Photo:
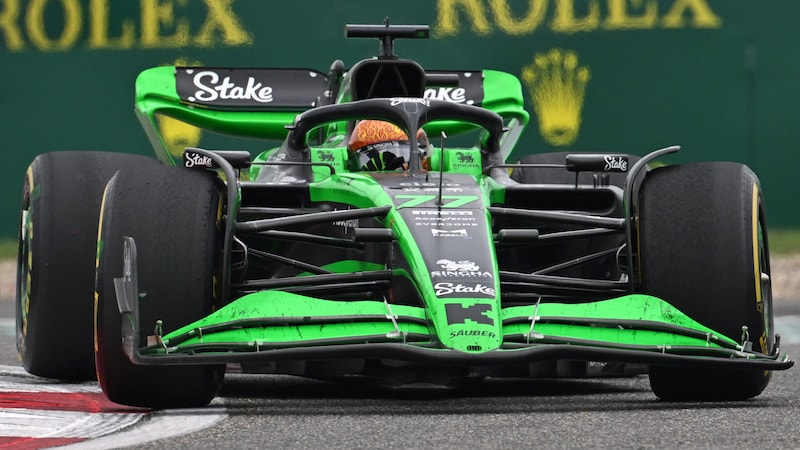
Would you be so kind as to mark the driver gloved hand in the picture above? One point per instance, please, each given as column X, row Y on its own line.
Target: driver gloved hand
column 383, row 161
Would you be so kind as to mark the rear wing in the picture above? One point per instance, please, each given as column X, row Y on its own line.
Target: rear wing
column 261, row 103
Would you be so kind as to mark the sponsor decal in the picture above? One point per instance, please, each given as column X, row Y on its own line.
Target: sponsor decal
column 210, row 88
column 346, row 224
column 192, row 159
column 468, row 90
column 473, row 333
column 426, row 212
column 406, row 100
column 459, row 289
column 438, row 223
column 343, row 180
column 252, row 89
column 426, row 184
column 448, row 94
column 616, row 164
column 449, row 233
column 459, row 269
column 447, row 264
column 325, row 156
column 465, row 158
column 457, row 313
column 432, row 189
column 444, row 218
column 447, row 221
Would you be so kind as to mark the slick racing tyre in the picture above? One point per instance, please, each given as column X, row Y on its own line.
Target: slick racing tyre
column 703, row 248
column 172, row 215
column 56, row 258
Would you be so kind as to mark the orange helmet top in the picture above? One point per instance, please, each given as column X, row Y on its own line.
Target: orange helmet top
column 382, row 145
column 370, row 132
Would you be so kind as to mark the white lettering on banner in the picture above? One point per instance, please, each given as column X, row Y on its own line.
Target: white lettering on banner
column 210, row 89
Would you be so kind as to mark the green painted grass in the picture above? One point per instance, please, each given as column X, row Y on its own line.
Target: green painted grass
column 784, row 241
column 8, row 249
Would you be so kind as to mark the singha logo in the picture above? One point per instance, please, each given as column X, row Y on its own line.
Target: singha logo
column 465, row 158
column 325, row 156
column 557, row 84
column 447, row 264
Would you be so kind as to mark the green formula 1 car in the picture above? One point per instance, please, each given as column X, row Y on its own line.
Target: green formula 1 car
column 446, row 266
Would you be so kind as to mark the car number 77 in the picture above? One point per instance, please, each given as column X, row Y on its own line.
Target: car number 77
column 448, row 201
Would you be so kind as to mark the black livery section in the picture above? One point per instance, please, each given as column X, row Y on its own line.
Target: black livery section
column 250, row 88
column 447, row 220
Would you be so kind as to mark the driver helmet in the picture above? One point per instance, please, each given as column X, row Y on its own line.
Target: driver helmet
column 382, row 145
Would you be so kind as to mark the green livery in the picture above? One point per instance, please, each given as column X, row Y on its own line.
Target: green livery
column 457, row 265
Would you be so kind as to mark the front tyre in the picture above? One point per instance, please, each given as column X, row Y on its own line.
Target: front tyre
column 171, row 213
column 704, row 249
column 56, row 260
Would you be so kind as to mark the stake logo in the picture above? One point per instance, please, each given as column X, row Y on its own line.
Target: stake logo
column 616, row 164
column 211, row 88
column 455, row 95
column 192, row 159
column 463, row 290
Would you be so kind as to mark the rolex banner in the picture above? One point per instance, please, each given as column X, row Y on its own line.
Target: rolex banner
column 718, row 77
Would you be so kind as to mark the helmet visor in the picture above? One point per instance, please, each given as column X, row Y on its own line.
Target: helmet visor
column 384, row 156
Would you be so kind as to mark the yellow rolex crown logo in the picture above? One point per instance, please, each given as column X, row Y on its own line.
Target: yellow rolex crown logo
column 176, row 134
column 557, row 84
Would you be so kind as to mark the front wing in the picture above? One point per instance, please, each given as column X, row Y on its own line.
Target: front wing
column 273, row 325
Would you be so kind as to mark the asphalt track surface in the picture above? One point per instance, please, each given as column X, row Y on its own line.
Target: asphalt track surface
column 260, row 411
